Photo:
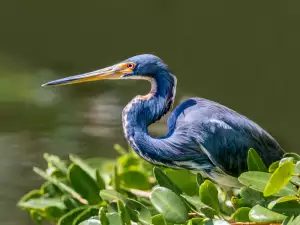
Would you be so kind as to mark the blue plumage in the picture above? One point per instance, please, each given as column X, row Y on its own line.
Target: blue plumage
column 202, row 135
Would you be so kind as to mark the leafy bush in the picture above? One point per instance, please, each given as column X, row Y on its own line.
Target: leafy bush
column 131, row 191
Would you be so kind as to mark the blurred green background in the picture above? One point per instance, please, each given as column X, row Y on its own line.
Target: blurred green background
column 243, row 54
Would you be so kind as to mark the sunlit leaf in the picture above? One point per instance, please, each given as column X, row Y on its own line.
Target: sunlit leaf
column 91, row 221
column 279, row 178
column 169, row 204
column 254, row 162
column 258, row 181
column 288, row 220
column 273, row 166
column 42, row 203
column 114, row 218
column 263, row 215
column 296, row 221
column 110, row 195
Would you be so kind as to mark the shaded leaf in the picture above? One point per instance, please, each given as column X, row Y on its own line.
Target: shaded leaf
column 110, row 195
column 254, row 162
column 102, row 216
column 296, row 179
column 84, row 166
column 279, row 178
column 209, row 195
column 84, row 184
column 251, row 197
column 164, row 181
column 135, row 179
column 199, row 179
column 195, row 221
column 85, row 215
column 273, row 166
column 158, row 220
column 293, row 155
column 281, row 200
column 169, row 204
column 143, row 213
column 258, row 181
column 261, row 214
column 288, row 220
column 123, row 213
column 69, row 217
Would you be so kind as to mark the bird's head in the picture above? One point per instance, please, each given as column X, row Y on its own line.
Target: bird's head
column 144, row 66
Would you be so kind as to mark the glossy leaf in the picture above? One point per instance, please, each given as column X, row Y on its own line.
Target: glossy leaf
column 263, row 215
column 241, row 215
column 254, row 162
column 258, row 181
column 169, row 204
column 281, row 200
column 84, row 184
column 164, row 181
column 209, row 195
column 279, row 178
column 91, row 221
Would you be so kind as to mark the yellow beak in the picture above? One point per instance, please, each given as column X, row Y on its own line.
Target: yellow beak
column 112, row 72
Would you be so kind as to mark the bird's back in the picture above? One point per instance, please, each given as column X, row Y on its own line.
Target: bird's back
column 222, row 134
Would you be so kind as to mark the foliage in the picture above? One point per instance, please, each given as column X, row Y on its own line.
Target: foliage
column 128, row 190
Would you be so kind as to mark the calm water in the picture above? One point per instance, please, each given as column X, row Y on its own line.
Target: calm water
column 243, row 55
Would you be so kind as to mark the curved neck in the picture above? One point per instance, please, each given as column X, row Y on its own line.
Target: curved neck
column 145, row 110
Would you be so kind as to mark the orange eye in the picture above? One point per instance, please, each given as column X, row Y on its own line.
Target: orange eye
column 130, row 65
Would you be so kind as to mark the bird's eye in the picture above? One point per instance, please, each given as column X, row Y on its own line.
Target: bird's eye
column 130, row 65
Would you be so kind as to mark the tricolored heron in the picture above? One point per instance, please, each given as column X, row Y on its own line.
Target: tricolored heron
column 202, row 135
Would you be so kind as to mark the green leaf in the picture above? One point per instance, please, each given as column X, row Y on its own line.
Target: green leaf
column 120, row 149
column 123, row 213
column 199, row 179
column 116, row 179
column 84, row 166
column 99, row 180
column 296, row 221
column 32, row 194
column 158, row 220
column 195, row 221
column 215, row 222
column 283, row 160
column 258, row 181
column 291, row 154
column 69, row 217
column 254, row 162
column 135, row 179
column 55, row 161
column 241, row 215
column 288, row 220
column 169, row 204
column 70, row 202
column 209, row 195
column 263, row 215
column 91, row 221
column 60, row 185
column 143, row 213
column 85, row 215
column 114, row 218
column 42, row 203
column 164, row 181
column 110, row 195
column 281, row 200
column 296, row 179
column 273, row 166
column 280, row 178
column 102, row 216
column 84, row 184
column 251, row 197
column 189, row 186
column 195, row 201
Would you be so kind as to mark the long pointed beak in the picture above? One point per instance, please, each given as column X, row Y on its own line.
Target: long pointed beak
column 112, row 72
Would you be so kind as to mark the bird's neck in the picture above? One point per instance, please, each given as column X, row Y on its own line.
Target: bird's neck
column 145, row 110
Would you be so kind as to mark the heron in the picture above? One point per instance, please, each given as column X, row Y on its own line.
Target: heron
column 202, row 135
